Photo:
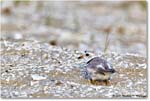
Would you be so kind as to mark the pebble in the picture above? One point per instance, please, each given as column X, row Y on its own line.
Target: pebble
column 37, row 77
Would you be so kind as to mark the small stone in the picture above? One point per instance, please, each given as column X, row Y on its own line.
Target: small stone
column 6, row 71
column 71, row 86
column 6, row 11
column 58, row 83
column 11, row 65
column 53, row 42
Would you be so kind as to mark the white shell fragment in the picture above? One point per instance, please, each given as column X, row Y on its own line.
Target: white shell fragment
column 37, row 77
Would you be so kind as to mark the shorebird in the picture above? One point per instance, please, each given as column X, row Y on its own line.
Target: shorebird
column 98, row 69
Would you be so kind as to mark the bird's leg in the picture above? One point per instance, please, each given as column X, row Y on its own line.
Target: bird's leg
column 99, row 82
column 91, row 81
column 107, row 82
column 94, row 82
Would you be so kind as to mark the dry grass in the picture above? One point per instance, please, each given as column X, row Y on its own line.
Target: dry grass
column 107, row 41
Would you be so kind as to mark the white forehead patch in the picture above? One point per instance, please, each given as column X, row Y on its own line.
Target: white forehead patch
column 100, row 66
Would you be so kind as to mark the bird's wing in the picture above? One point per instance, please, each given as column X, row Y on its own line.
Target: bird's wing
column 100, row 71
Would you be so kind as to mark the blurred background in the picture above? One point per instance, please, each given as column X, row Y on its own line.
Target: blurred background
column 105, row 26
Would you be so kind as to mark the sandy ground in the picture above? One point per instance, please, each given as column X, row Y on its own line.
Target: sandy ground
column 38, row 70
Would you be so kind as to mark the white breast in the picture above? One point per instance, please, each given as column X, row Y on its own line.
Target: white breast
column 101, row 76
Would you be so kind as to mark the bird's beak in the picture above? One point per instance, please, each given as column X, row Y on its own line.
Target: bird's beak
column 112, row 70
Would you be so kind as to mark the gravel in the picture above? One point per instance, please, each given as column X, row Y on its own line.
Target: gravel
column 38, row 70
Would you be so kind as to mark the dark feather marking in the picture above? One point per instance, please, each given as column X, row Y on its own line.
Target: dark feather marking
column 99, row 72
column 90, row 61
